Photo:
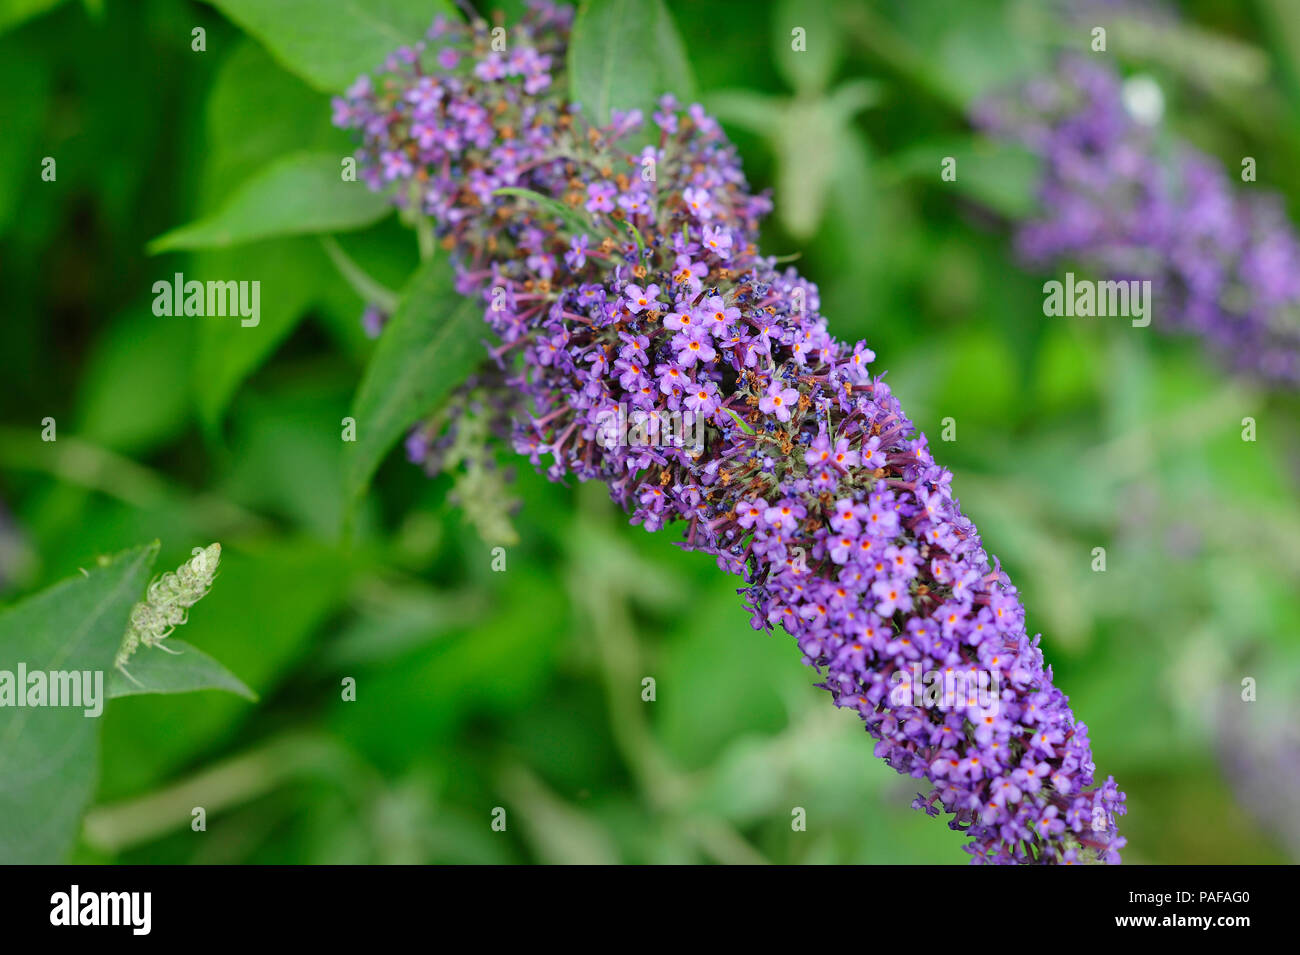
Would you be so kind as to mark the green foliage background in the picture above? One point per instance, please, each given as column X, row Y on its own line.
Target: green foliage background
column 522, row 689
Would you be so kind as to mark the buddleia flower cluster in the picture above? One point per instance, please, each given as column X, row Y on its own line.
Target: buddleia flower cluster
column 1224, row 262
column 619, row 270
column 168, row 601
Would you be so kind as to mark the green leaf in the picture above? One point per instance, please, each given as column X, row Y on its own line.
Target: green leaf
column 134, row 391
column 759, row 113
column 740, row 422
column 24, row 121
column 1001, row 176
column 15, row 12
column 810, row 69
column 292, row 273
column 255, row 113
column 329, row 43
column 1204, row 57
column 183, row 670
column 430, row 346
column 295, row 195
column 625, row 54
column 48, row 754
column 577, row 222
column 808, row 145
column 807, row 135
column 358, row 278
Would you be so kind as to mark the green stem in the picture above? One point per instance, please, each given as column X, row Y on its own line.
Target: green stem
column 361, row 282
column 615, row 633
column 231, row 783
column 78, row 462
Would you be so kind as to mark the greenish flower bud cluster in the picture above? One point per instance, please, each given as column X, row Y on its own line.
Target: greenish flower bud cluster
column 167, row 604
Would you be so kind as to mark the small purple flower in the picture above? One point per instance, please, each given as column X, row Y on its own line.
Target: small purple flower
column 397, row 165
column 697, row 200
column 715, row 315
column 702, row 398
column 785, row 514
column 576, row 257
column 819, row 452
column 691, row 348
column 718, row 241
column 373, row 320
column 600, row 196
column 778, row 401
column 748, row 513
column 640, row 299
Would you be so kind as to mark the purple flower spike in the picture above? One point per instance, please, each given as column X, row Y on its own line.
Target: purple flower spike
column 808, row 481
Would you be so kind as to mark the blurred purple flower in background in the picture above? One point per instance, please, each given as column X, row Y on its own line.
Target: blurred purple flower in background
column 1224, row 262
column 373, row 320
column 1259, row 748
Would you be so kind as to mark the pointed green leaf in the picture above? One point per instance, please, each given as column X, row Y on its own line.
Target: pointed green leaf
column 807, row 60
column 329, row 43
column 625, row 54
column 49, row 754
column 15, row 12
column 431, row 344
column 574, row 219
column 299, row 194
column 1001, row 176
column 184, row 670
column 740, row 422
column 758, row 113
column 292, row 273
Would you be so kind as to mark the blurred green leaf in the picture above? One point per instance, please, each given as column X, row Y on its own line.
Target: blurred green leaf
column 183, row 670
column 1001, row 176
column 560, row 834
column 396, row 621
column 430, row 346
column 759, row 113
column 809, row 69
column 292, row 273
column 296, row 195
column 697, row 715
column 574, row 219
column 15, row 12
column 1204, row 57
column 811, row 138
column 330, row 43
column 624, row 55
column 503, row 661
column 24, row 118
column 357, row 278
column 48, row 754
column 134, row 392
column 255, row 113
column 290, row 460
column 808, row 145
